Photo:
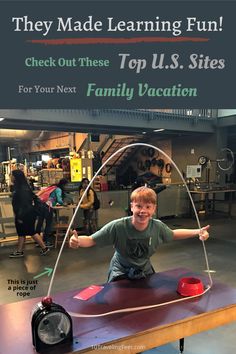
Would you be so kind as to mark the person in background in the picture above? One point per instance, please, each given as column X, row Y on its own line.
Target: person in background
column 58, row 195
column 46, row 218
column 55, row 198
column 135, row 238
column 31, row 182
column 25, row 216
column 87, row 206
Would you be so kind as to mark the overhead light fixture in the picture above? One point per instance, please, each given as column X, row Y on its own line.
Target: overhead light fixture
column 1, row 119
column 158, row 130
column 144, row 132
column 45, row 157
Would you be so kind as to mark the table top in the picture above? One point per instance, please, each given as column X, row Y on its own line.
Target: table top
column 15, row 334
column 69, row 206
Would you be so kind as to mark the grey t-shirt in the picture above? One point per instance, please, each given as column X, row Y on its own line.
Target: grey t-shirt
column 133, row 247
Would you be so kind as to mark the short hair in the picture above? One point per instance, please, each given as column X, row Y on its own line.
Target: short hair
column 144, row 194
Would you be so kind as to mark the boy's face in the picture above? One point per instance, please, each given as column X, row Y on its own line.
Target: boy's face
column 142, row 212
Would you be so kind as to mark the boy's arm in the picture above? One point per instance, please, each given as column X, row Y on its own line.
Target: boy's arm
column 81, row 241
column 188, row 233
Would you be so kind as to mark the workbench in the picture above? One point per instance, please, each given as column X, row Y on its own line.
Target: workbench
column 129, row 332
column 207, row 199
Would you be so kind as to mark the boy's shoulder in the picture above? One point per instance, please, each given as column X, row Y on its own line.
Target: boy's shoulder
column 121, row 222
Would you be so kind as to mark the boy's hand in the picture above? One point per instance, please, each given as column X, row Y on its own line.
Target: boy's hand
column 74, row 241
column 203, row 234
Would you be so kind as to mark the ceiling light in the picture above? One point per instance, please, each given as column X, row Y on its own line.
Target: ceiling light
column 158, row 130
column 1, row 119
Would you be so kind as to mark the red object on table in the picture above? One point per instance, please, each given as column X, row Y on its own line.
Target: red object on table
column 190, row 286
column 88, row 292
column 47, row 301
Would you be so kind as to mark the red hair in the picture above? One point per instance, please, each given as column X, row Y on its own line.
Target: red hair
column 144, row 194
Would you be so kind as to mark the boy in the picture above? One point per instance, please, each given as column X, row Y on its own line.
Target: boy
column 135, row 238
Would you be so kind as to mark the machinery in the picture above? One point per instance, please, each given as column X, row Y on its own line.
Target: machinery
column 51, row 325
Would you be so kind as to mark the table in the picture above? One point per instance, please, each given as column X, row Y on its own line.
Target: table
column 205, row 199
column 132, row 331
column 60, row 228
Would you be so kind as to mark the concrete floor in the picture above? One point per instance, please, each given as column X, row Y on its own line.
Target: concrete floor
column 81, row 268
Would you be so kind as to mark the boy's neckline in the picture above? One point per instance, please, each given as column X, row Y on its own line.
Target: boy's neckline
column 137, row 228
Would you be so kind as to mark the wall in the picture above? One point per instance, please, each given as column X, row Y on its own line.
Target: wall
column 187, row 150
column 141, row 161
column 60, row 140
column 79, row 139
column 184, row 150
column 55, row 140
column 166, row 146
column 48, row 141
